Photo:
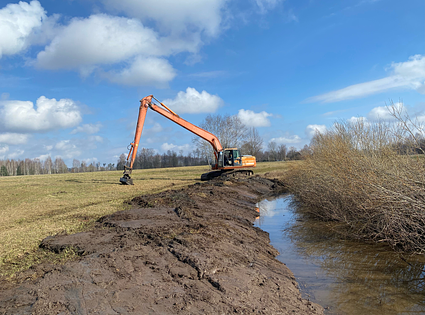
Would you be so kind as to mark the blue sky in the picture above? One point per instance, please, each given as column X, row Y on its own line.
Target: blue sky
column 72, row 72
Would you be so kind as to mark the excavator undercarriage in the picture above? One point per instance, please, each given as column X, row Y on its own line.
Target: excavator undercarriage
column 226, row 173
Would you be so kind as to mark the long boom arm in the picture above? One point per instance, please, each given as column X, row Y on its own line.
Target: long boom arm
column 146, row 103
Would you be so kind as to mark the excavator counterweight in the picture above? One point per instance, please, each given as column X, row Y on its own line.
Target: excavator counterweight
column 227, row 161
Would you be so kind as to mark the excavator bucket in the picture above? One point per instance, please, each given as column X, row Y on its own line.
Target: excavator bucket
column 126, row 180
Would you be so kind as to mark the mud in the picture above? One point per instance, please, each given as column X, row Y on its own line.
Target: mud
column 188, row 251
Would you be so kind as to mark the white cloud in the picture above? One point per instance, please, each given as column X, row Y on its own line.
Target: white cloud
column 4, row 149
column 267, row 5
column 311, row 130
column 49, row 114
column 186, row 148
column 13, row 138
column 15, row 154
column 98, row 39
column 43, row 157
column 135, row 52
column 382, row 112
column 355, row 120
column 175, row 17
column 87, row 128
column 193, row 102
column 155, row 129
column 67, row 149
column 144, row 71
column 252, row 119
column 95, row 139
column 287, row 140
column 65, row 145
column 17, row 24
column 404, row 75
column 88, row 161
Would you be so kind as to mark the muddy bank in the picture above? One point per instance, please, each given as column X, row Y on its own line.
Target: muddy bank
column 188, row 251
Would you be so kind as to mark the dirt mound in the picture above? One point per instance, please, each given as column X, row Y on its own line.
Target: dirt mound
column 188, row 251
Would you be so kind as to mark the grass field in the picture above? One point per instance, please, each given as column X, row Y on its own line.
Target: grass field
column 34, row 207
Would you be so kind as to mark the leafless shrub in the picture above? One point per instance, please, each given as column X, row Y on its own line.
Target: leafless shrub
column 356, row 176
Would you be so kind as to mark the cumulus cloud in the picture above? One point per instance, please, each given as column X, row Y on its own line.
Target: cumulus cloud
column 17, row 25
column 4, row 149
column 87, row 128
column 15, row 154
column 67, row 149
column 110, row 40
column 175, row 17
column 138, row 51
column 252, row 119
column 287, row 139
column 49, row 114
column 354, row 120
column 193, row 102
column 382, row 112
column 43, row 157
column 144, row 71
column 176, row 148
column 311, row 130
column 403, row 75
column 95, row 139
column 13, row 138
column 88, row 161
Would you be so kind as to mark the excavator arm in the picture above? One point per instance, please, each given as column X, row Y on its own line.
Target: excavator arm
column 146, row 103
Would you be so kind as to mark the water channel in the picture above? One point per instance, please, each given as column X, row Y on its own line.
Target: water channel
column 345, row 277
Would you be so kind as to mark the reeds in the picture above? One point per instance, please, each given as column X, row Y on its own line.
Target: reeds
column 356, row 175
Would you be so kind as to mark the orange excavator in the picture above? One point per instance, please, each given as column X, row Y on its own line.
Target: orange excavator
column 227, row 160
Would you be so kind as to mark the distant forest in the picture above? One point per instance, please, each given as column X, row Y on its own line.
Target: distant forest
column 146, row 158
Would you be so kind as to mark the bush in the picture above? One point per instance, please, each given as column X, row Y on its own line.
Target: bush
column 356, row 176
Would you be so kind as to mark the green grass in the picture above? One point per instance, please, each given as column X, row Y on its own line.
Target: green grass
column 34, row 207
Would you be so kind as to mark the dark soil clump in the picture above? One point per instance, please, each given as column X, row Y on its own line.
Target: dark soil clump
column 188, row 251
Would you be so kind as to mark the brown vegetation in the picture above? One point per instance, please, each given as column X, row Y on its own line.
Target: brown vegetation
column 356, row 175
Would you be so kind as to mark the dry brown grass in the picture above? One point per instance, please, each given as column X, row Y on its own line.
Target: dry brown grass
column 34, row 207
column 354, row 176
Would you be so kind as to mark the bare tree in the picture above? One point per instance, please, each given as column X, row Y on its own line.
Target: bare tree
column 411, row 130
column 48, row 165
column 60, row 166
column 230, row 131
column 83, row 166
column 121, row 162
column 281, row 152
column 272, row 146
column 253, row 143
column 75, row 166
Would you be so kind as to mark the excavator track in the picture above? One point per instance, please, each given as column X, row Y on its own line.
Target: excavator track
column 230, row 173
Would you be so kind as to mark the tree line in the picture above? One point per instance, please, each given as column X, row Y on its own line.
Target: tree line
column 146, row 158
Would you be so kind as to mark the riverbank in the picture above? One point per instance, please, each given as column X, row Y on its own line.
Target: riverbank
column 186, row 251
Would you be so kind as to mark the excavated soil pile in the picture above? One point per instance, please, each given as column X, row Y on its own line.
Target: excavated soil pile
column 188, row 251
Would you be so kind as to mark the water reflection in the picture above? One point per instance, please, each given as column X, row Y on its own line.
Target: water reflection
column 346, row 276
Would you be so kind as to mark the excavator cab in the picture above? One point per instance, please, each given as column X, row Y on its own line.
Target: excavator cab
column 229, row 158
